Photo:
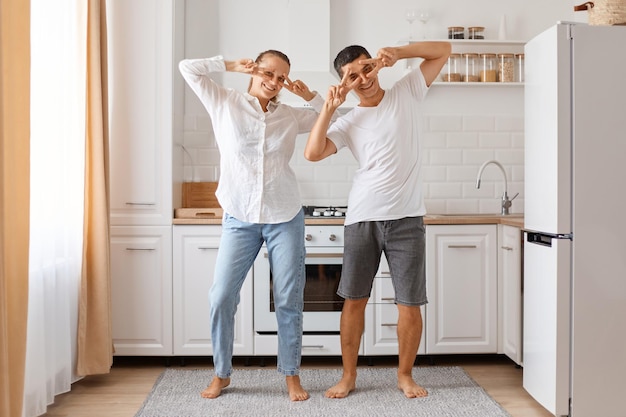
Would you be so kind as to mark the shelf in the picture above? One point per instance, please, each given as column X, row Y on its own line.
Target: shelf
column 486, row 42
column 476, row 84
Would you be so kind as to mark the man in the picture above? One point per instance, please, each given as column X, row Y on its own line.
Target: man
column 385, row 206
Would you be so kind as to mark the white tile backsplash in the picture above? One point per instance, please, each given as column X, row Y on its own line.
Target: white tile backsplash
column 454, row 148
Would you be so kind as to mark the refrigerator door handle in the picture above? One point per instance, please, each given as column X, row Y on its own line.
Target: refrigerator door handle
column 544, row 239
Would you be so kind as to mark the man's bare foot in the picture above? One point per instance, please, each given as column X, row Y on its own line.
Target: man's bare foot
column 344, row 387
column 410, row 388
column 215, row 387
column 296, row 392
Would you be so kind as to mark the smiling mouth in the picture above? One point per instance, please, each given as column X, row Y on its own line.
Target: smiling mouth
column 367, row 86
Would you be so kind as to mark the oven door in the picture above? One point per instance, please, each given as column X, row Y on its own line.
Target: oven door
column 322, row 305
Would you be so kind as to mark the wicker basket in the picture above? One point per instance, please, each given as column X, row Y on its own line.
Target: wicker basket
column 604, row 12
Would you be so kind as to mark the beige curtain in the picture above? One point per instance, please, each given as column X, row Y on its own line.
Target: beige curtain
column 14, row 199
column 95, row 342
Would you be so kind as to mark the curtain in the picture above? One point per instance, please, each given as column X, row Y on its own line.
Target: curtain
column 14, row 200
column 69, row 243
column 95, row 346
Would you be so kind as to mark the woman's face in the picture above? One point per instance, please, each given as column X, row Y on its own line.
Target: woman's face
column 270, row 77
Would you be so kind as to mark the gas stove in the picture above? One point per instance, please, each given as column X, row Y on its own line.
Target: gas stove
column 329, row 211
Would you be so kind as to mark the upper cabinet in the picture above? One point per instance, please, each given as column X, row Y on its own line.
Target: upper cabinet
column 140, row 65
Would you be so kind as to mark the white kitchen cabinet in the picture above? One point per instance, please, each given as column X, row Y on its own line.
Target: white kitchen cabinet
column 195, row 253
column 461, row 276
column 381, row 317
column 140, row 73
column 510, row 284
column 141, row 290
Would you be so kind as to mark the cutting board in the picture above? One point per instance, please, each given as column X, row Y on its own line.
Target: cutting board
column 200, row 195
column 198, row 213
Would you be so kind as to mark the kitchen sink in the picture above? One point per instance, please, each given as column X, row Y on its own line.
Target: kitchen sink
column 474, row 215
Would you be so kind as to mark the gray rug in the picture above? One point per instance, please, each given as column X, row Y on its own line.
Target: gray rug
column 262, row 393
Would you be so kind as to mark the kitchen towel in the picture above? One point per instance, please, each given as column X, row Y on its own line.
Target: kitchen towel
column 262, row 393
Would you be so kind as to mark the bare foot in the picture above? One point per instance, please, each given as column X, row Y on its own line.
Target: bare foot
column 344, row 387
column 215, row 387
column 410, row 388
column 296, row 392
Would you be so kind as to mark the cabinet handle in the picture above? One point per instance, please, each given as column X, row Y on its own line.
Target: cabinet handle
column 462, row 246
column 387, row 299
column 140, row 204
column 389, row 324
column 324, row 255
column 205, row 248
column 312, row 346
column 385, row 272
column 507, row 248
column 136, row 249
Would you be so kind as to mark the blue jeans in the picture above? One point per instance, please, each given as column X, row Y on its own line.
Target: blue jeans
column 240, row 244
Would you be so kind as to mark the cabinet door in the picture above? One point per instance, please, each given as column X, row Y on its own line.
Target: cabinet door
column 140, row 111
column 461, row 276
column 381, row 319
column 141, row 290
column 195, row 252
column 511, row 284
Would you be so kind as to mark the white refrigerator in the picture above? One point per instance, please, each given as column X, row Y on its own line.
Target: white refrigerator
column 574, row 350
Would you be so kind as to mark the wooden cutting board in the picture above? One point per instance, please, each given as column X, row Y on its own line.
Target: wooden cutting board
column 198, row 213
column 200, row 195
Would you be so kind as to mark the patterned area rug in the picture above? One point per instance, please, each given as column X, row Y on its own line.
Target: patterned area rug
column 262, row 393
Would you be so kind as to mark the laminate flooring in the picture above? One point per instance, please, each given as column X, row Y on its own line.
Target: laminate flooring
column 121, row 392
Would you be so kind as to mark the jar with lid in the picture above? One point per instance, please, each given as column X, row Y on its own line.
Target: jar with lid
column 476, row 32
column 452, row 69
column 470, row 68
column 519, row 68
column 456, row 32
column 506, row 68
column 488, row 65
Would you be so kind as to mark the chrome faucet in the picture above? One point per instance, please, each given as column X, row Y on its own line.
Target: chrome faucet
column 506, row 203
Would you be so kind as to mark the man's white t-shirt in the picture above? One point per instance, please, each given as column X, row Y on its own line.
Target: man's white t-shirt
column 385, row 141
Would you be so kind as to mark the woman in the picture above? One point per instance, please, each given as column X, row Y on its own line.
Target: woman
column 259, row 194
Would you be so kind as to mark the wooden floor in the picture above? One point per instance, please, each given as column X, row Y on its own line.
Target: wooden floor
column 121, row 393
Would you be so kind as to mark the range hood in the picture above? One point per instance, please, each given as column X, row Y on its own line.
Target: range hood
column 309, row 50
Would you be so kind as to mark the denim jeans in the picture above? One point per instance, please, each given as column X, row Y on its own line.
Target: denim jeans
column 240, row 244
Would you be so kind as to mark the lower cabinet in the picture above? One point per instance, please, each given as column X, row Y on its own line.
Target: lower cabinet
column 195, row 252
column 141, row 290
column 381, row 317
column 462, row 284
column 510, row 262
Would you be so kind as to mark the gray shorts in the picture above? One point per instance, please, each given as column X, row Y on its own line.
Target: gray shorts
column 403, row 241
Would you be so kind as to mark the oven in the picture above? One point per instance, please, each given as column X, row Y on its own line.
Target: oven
column 322, row 305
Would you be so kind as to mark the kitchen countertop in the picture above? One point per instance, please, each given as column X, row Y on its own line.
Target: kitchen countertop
column 516, row 220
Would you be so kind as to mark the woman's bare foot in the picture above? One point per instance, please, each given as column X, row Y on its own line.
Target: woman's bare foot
column 344, row 387
column 215, row 387
column 410, row 388
column 296, row 392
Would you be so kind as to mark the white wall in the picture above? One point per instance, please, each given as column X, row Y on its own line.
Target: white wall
column 464, row 126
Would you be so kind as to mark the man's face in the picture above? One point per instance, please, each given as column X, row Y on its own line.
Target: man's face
column 357, row 74
column 270, row 79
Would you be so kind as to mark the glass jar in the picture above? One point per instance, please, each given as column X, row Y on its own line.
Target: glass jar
column 506, row 68
column 488, row 65
column 452, row 69
column 476, row 32
column 470, row 68
column 456, row 32
column 519, row 68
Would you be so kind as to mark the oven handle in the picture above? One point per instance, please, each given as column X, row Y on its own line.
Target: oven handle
column 318, row 255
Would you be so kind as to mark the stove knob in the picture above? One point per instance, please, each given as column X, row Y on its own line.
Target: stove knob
column 332, row 237
column 328, row 213
column 339, row 213
column 316, row 214
column 308, row 237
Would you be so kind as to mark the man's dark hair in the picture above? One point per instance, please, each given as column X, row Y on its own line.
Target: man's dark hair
column 347, row 55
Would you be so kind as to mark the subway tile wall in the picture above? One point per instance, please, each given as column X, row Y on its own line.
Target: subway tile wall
column 454, row 148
